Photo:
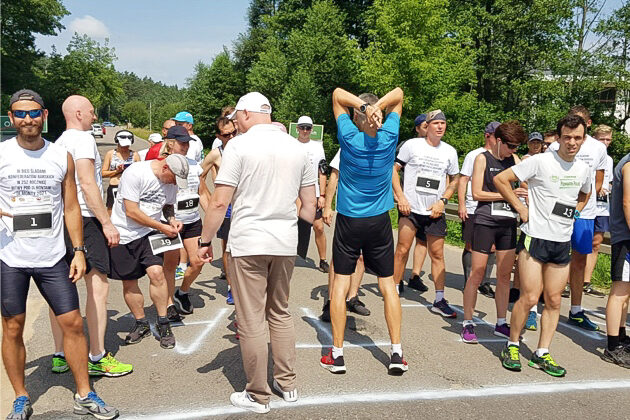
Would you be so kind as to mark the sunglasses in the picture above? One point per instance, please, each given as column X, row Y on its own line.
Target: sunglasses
column 33, row 113
column 305, row 127
column 124, row 136
column 512, row 146
column 229, row 135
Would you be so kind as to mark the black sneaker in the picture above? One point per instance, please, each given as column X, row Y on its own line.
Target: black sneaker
column 397, row 364
column 486, row 290
column 323, row 266
column 140, row 330
column 167, row 339
column 625, row 341
column 326, row 312
column 400, row 288
column 514, row 294
column 356, row 306
column 416, row 283
column 173, row 315
column 588, row 289
column 183, row 301
column 619, row 356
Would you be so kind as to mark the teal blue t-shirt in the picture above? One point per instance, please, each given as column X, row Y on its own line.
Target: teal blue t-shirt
column 365, row 167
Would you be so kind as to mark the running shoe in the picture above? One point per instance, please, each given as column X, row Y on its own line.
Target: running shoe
column 442, row 308
column 589, row 290
column 400, row 288
column 397, row 364
column 532, row 321
column 173, row 315
column 247, row 402
column 581, row 320
column 93, row 405
column 514, row 294
column 356, row 306
column 22, row 409
column 222, row 276
column 183, row 301
column 486, row 290
column 230, row 298
column 619, row 356
column 109, row 366
column 167, row 339
column 337, row 365
column 326, row 312
column 625, row 341
column 140, row 330
column 416, row 283
column 547, row 364
column 468, row 334
column 566, row 292
column 510, row 359
column 288, row 396
column 59, row 364
column 179, row 273
column 323, row 266
column 502, row 330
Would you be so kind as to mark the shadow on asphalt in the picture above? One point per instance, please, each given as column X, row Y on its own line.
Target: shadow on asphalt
column 307, row 263
column 230, row 364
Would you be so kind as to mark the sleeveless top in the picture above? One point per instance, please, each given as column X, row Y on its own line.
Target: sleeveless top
column 228, row 213
column 494, row 213
column 113, row 164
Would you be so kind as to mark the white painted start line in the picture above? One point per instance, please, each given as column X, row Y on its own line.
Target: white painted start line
column 522, row 389
column 192, row 347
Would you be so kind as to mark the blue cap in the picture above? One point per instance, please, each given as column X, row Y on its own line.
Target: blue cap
column 535, row 136
column 420, row 119
column 492, row 127
column 178, row 133
column 184, row 116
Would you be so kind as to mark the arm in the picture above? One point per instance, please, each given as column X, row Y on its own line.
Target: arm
column 599, row 181
column 342, row 100
column 477, row 182
column 209, row 162
column 204, row 194
column 94, row 200
column 625, row 172
column 169, row 214
column 437, row 208
column 462, row 185
column 219, row 202
column 503, row 183
column 73, row 220
column 331, row 188
column 321, row 201
column 399, row 194
column 132, row 210
column 307, row 197
column 391, row 102
column 105, row 172
column 582, row 200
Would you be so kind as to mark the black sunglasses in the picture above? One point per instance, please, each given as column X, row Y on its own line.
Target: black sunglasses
column 124, row 136
column 305, row 127
column 33, row 113
column 512, row 146
column 230, row 134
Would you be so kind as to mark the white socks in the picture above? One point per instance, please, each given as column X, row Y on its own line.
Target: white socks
column 337, row 351
column 97, row 357
column 468, row 322
column 512, row 343
column 397, row 348
column 501, row 321
column 534, row 309
column 540, row 352
column 575, row 309
column 439, row 295
column 183, row 266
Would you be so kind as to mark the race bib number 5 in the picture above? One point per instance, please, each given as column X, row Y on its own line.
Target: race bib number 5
column 161, row 243
column 427, row 184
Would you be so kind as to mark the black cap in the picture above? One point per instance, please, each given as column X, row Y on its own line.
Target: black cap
column 26, row 95
column 178, row 133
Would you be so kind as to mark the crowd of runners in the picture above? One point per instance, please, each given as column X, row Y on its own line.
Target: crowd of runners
column 57, row 226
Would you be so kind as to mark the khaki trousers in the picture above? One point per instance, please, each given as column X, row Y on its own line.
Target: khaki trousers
column 260, row 286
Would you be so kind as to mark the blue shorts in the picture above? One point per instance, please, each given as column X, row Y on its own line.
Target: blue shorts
column 582, row 238
column 601, row 224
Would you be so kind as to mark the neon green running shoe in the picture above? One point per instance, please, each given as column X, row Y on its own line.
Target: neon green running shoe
column 510, row 358
column 109, row 366
column 59, row 364
column 547, row 364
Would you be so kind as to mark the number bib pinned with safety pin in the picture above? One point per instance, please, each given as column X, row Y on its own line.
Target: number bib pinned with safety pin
column 161, row 243
column 32, row 216
column 427, row 184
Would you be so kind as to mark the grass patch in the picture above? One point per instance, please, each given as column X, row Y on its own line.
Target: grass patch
column 143, row 133
column 454, row 233
column 601, row 273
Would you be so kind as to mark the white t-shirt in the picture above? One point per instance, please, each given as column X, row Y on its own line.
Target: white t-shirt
column 216, row 143
column 139, row 184
column 31, row 183
column 426, row 168
column 195, row 149
column 190, row 196
column 82, row 145
column 334, row 163
column 553, row 185
column 315, row 153
column 143, row 153
column 467, row 170
column 593, row 153
column 603, row 207
column 268, row 168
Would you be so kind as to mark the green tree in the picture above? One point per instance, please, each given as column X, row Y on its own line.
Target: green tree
column 136, row 113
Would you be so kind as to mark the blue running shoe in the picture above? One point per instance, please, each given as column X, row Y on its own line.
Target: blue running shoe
column 22, row 409
column 531, row 323
column 93, row 405
column 581, row 320
column 179, row 273
column 230, row 298
column 442, row 308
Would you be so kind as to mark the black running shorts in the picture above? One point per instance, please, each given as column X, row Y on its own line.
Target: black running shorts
column 620, row 261
column 502, row 237
column 224, row 230
column 548, row 252
column 97, row 252
column 130, row 261
column 109, row 203
column 53, row 283
column 426, row 225
column 191, row 230
column 467, row 229
column 370, row 235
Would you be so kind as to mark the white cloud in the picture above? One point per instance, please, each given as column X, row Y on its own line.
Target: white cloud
column 89, row 26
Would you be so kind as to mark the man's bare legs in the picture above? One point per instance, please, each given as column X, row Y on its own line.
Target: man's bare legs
column 406, row 235
column 419, row 255
column 195, row 264
column 320, row 238
column 171, row 259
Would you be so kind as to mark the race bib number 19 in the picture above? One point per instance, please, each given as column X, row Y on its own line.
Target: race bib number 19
column 161, row 243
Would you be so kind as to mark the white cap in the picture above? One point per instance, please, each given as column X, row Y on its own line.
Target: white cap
column 155, row 138
column 252, row 102
column 124, row 142
column 305, row 120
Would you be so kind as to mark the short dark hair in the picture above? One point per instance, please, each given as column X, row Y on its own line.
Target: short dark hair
column 580, row 109
column 571, row 121
column 223, row 121
column 550, row 133
column 511, row 132
column 227, row 110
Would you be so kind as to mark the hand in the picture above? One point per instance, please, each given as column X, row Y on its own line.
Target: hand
column 169, row 230
column 437, row 209
column 524, row 213
column 4, row 213
column 374, row 116
column 205, row 254
column 321, row 202
column 461, row 210
column 111, row 234
column 403, row 207
column 327, row 216
column 120, row 168
column 176, row 224
column 521, row 192
column 77, row 266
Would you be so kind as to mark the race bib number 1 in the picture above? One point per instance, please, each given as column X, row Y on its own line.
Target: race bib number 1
column 32, row 217
column 427, row 185
column 161, row 243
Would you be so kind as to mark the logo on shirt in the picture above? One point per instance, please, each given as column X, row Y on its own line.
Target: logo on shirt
column 554, row 178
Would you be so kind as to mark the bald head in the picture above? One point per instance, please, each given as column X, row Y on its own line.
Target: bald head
column 78, row 112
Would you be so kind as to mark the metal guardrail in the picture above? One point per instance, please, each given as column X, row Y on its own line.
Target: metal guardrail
column 453, row 215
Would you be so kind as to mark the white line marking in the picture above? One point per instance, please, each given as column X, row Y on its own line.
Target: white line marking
column 416, row 305
column 345, row 345
column 490, row 340
column 409, row 395
column 319, row 324
column 195, row 344
column 600, row 315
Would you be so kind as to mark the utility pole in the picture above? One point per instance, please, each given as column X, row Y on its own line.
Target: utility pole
column 150, row 116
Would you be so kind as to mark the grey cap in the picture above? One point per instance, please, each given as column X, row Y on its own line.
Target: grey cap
column 435, row 115
column 26, row 95
column 535, row 136
column 179, row 165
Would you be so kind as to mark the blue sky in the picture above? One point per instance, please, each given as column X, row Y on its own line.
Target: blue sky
column 160, row 39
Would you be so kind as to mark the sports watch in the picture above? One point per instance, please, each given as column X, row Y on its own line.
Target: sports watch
column 203, row 244
column 364, row 107
column 444, row 200
column 79, row 248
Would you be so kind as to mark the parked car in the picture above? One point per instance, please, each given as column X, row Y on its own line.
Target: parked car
column 108, row 124
column 97, row 130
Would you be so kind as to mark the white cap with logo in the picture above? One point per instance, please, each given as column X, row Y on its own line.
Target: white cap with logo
column 252, row 102
column 305, row 120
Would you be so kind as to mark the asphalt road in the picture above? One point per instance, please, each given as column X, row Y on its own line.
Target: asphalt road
column 446, row 378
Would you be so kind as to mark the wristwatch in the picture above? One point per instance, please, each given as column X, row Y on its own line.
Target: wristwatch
column 364, row 107
column 79, row 248
column 203, row 244
column 444, row 200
